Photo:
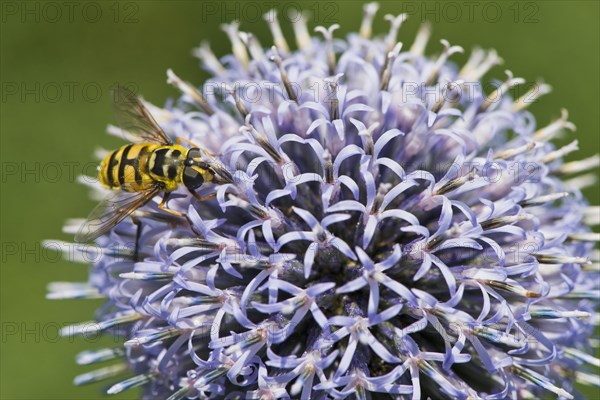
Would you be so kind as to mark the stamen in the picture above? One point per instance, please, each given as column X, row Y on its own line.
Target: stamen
column 329, row 178
column 93, row 326
column 381, row 192
column 223, row 175
column 73, row 225
column 587, row 379
column 75, row 252
column 591, row 215
column 147, row 276
column 584, row 294
column 278, row 38
column 212, row 375
column 450, row 86
column 456, row 183
column 509, row 153
column 447, row 52
column 553, row 259
column 386, row 69
column 563, row 151
column 253, row 46
column 537, row 91
column 367, row 136
column 369, row 11
column 418, row 47
column 575, row 167
column 195, row 242
column 120, row 133
column 297, row 386
column 250, row 208
column 99, row 153
column 539, row 380
column 328, row 36
column 93, row 356
column 549, row 313
column 185, row 301
column 502, row 221
column 181, row 394
column 332, row 85
column 290, row 306
column 101, row 374
column 303, row 39
column 237, row 47
column 436, row 241
column 541, row 200
column 478, row 64
column 262, row 141
column 190, row 90
column 256, row 336
column 431, row 372
column 582, row 181
column 131, row 383
column 395, row 23
column 496, row 336
column 238, row 102
column 585, row 237
column 592, row 267
column 550, row 132
column 209, row 60
column 360, row 391
column 509, row 287
column 284, row 76
column 154, row 336
column 497, row 94
column 72, row 290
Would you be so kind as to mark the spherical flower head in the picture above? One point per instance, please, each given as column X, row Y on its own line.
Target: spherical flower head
column 386, row 229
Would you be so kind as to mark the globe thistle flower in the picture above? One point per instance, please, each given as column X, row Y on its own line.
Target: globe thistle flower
column 389, row 231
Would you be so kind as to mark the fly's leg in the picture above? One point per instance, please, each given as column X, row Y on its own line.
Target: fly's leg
column 138, row 233
column 163, row 206
column 199, row 198
column 180, row 139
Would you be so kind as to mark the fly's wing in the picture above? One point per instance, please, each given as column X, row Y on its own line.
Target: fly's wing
column 134, row 117
column 111, row 211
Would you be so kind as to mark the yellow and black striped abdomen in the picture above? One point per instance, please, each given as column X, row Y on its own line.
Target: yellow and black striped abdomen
column 127, row 168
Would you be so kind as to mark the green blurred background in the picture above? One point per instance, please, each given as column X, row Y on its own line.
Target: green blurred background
column 58, row 61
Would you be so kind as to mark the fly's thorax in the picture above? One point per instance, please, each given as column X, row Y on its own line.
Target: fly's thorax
column 166, row 165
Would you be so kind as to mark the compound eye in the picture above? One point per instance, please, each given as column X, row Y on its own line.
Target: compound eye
column 194, row 153
column 192, row 179
column 193, row 157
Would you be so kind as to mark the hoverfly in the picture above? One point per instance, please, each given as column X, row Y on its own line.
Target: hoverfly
column 139, row 171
